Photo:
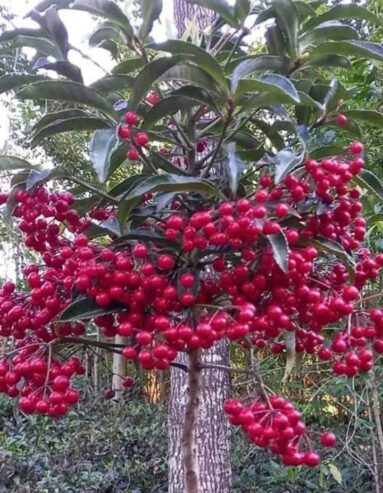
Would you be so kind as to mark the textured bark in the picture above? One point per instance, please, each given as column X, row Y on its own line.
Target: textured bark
column 212, row 435
column 202, row 16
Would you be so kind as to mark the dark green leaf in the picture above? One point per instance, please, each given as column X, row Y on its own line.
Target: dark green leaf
column 272, row 83
column 257, row 63
column 103, row 34
column 234, row 167
column 42, row 45
column 331, row 60
column 11, row 202
column 355, row 48
column 67, row 91
column 151, row 10
column 192, row 75
column 111, row 83
column 125, row 209
column 222, row 7
column 58, row 116
column 85, row 309
column 103, row 142
column 275, row 41
column 286, row 15
column 327, row 33
column 55, row 28
column 78, row 124
column 339, row 12
column 41, row 6
column 10, row 82
column 66, row 69
column 326, row 151
column 368, row 116
column 148, row 76
column 128, row 66
column 204, row 60
column 174, row 183
column 334, row 248
column 108, row 9
column 370, row 182
column 11, row 163
column 286, row 161
column 117, row 157
column 280, row 249
column 242, row 9
column 36, row 177
column 167, row 106
column 22, row 31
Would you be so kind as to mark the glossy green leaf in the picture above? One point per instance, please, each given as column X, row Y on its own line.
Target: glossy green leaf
column 167, row 106
column 128, row 66
column 258, row 63
column 51, row 23
column 331, row 60
column 77, row 124
column 58, row 116
column 67, row 91
column 85, row 309
column 108, row 9
column 148, row 76
column 39, row 177
column 192, row 75
column 342, row 12
column 11, row 163
column 67, row 69
column 285, row 162
column 374, row 118
column 367, row 180
column 202, row 58
column 355, row 48
column 42, row 45
column 242, row 9
column 234, row 167
column 286, row 15
column 151, row 10
column 222, row 7
column 280, row 249
column 117, row 157
column 105, row 33
column 327, row 33
column 275, row 42
column 111, row 83
column 326, row 151
column 103, row 142
column 272, row 83
column 174, row 183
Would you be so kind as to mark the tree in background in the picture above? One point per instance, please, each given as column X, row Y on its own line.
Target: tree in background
column 258, row 241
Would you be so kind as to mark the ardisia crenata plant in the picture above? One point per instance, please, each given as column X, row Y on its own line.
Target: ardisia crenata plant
column 238, row 217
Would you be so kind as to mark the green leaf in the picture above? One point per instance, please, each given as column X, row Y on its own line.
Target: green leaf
column 85, row 309
column 331, row 60
column 117, row 157
column 103, row 34
column 242, row 9
column 192, row 75
column 58, row 116
column 37, row 177
column 11, row 163
column 103, row 142
column 151, row 10
column 340, row 12
column 272, row 83
column 22, row 31
column 355, row 48
column 145, row 235
column 222, row 7
column 124, row 187
column 108, row 9
column 369, row 181
column 111, row 83
column 326, row 151
column 286, row 161
column 11, row 202
column 42, row 45
column 128, row 66
column 258, row 63
column 174, row 183
column 125, row 209
column 79, row 124
column 368, row 116
column 274, row 41
column 280, row 249
column 286, row 15
column 202, row 58
column 55, row 28
column 10, row 82
column 148, row 76
column 335, row 473
column 327, row 33
column 66, row 69
column 234, row 167
column 167, row 106
column 73, row 92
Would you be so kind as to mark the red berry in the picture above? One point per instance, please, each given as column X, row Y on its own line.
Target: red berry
column 142, row 139
column 341, row 120
column 133, row 154
column 131, row 118
column 328, row 439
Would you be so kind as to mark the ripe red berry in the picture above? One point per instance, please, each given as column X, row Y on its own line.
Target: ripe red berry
column 131, row 118
column 142, row 139
column 356, row 148
column 328, row 439
column 133, row 154
column 124, row 132
column 341, row 120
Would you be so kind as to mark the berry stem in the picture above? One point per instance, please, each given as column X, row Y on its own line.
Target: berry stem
column 191, row 414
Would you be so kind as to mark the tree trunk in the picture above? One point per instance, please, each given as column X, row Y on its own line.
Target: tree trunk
column 212, row 439
column 202, row 16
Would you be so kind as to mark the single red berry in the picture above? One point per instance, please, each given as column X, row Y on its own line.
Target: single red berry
column 341, row 120
column 124, row 132
column 133, row 154
column 328, row 439
column 131, row 118
column 142, row 139
column 356, row 148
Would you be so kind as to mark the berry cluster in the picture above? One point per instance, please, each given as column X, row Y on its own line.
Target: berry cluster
column 127, row 131
column 277, row 426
